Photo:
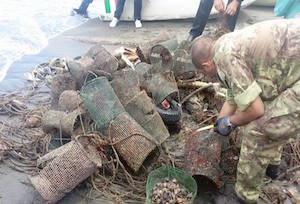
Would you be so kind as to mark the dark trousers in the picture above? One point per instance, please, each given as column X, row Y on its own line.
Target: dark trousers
column 83, row 6
column 137, row 9
column 203, row 14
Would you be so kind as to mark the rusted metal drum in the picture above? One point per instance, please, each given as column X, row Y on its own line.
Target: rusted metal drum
column 202, row 156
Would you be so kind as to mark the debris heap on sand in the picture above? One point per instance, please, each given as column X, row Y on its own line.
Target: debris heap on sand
column 123, row 115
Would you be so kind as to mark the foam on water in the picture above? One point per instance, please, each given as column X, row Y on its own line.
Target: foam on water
column 27, row 25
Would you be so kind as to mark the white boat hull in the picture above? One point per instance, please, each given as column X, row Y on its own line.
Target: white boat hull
column 159, row 9
column 265, row 2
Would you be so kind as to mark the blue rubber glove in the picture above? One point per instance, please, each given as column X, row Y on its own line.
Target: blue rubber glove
column 223, row 126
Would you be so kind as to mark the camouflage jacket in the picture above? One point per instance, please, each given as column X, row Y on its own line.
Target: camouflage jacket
column 259, row 60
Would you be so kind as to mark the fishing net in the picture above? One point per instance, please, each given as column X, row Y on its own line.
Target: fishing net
column 69, row 168
column 126, row 85
column 184, row 179
column 101, row 102
column 143, row 111
column 131, row 141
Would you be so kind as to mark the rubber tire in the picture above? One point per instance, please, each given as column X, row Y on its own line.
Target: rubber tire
column 172, row 115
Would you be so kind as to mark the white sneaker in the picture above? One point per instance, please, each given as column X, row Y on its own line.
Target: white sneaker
column 138, row 24
column 114, row 22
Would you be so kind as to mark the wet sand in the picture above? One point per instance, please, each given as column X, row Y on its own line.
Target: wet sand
column 15, row 188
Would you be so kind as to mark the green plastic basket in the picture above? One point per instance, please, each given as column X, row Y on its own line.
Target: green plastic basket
column 158, row 175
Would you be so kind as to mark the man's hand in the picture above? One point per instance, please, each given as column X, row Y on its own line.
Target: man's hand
column 223, row 126
column 219, row 5
column 232, row 7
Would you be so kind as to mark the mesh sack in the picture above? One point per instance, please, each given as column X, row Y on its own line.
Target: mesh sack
column 70, row 100
column 146, row 47
column 202, row 155
column 161, row 86
column 131, row 141
column 101, row 102
column 59, row 84
column 85, row 70
column 53, row 121
column 185, row 45
column 183, row 67
column 54, row 153
column 143, row 111
column 142, row 69
column 105, row 61
column 163, row 52
column 66, row 171
column 159, row 175
column 126, row 85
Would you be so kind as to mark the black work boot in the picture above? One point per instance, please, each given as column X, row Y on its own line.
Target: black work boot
column 272, row 171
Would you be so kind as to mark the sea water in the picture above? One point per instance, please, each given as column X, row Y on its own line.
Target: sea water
column 27, row 25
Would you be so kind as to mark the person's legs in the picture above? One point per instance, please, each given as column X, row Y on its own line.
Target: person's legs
column 263, row 140
column 253, row 162
column 137, row 9
column 201, row 18
column 231, row 20
column 83, row 7
column 119, row 9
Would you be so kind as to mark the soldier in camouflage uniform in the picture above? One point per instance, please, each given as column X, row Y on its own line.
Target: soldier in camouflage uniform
column 259, row 65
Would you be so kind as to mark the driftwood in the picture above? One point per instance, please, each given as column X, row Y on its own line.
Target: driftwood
column 200, row 86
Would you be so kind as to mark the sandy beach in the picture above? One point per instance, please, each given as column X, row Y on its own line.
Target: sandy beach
column 15, row 188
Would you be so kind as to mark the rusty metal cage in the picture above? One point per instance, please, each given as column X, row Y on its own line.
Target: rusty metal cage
column 202, row 156
column 143, row 111
column 132, row 142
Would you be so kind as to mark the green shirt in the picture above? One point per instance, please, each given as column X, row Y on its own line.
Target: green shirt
column 259, row 60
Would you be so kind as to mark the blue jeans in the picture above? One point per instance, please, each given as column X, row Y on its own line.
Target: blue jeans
column 83, row 6
column 203, row 14
column 137, row 9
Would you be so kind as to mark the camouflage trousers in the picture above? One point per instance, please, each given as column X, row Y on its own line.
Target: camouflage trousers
column 263, row 141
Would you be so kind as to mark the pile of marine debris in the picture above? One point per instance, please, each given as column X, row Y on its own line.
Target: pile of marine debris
column 109, row 119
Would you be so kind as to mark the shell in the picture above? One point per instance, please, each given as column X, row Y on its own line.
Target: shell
column 169, row 192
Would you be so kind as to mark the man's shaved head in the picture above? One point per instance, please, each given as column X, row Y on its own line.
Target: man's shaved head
column 202, row 50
